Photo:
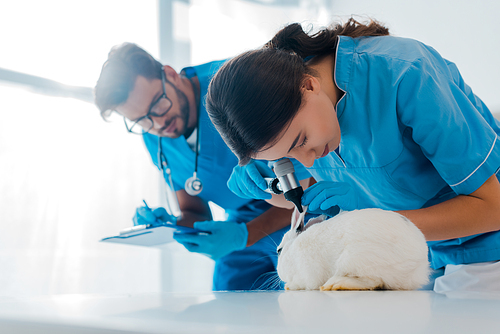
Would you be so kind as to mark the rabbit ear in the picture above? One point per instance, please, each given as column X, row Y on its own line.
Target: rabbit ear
column 315, row 220
column 295, row 215
column 298, row 220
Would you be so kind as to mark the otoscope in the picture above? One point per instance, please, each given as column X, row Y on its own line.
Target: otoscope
column 286, row 183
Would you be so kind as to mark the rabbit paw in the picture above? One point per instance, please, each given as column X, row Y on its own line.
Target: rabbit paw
column 352, row 283
column 291, row 287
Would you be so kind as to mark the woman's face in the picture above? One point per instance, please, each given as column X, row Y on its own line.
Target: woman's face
column 313, row 133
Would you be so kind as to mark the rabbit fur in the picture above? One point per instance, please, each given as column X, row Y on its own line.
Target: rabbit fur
column 355, row 250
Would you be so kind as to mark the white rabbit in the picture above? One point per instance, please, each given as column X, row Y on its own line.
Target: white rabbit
column 355, row 250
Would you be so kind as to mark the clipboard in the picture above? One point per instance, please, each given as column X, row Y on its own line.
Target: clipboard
column 150, row 236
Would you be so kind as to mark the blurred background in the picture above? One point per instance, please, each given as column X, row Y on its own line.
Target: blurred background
column 68, row 178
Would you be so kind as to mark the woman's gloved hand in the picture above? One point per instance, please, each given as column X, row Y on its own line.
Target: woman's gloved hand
column 248, row 181
column 326, row 197
column 146, row 216
column 223, row 238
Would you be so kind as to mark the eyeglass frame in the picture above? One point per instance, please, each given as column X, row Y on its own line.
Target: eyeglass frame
column 150, row 112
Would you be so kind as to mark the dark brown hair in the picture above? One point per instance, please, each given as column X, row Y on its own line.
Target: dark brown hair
column 118, row 75
column 255, row 96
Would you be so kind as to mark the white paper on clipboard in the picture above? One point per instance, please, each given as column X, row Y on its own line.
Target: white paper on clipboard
column 155, row 236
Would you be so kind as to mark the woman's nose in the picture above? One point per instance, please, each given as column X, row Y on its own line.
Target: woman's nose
column 306, row 158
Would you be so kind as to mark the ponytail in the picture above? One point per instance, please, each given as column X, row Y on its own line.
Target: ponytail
column 293, row 39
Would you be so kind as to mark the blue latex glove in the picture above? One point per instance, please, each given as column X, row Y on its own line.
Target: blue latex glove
column 326, row 197
column 224, row 238
column 145, row 216
column 248, row 181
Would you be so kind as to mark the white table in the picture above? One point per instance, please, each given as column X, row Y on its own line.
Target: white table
column 254, row 312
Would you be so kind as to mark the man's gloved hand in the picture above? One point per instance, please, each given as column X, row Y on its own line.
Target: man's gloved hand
column 146, row 216
column 248, row 181
column 326, row 197
column 224, row 238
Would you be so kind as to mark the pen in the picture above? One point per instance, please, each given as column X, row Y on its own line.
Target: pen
column 157, row 221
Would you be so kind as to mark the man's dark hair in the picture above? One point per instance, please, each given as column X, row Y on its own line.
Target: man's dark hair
column 119, row 73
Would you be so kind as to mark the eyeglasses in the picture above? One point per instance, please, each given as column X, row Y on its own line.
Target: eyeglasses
column 160, row 108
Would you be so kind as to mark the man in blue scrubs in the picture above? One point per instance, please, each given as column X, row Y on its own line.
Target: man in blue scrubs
column 167, row 107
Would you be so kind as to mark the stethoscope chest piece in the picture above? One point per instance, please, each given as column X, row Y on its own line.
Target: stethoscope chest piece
column 193, row 186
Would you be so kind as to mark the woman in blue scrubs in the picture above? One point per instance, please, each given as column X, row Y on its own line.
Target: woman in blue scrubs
column 378, row 121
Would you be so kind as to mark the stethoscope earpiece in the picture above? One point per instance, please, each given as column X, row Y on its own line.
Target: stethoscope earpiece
column 193, row 186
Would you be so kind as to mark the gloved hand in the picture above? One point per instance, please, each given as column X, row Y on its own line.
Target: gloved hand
column 145, row 216
column 324, row 197
column 248, row 181
column 224, row 238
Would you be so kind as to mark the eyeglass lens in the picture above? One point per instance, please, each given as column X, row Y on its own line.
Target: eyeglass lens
column 159, row 109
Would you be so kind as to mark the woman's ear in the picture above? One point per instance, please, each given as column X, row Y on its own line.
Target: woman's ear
column 311, row 84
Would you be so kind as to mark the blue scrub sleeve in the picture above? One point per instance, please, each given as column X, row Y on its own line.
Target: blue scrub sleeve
column 445, row 121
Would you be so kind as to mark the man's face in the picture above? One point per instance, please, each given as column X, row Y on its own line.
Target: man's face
column 148, row 93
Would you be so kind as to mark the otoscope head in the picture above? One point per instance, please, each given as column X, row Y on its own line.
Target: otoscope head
column 295, row 196
column 289, row 184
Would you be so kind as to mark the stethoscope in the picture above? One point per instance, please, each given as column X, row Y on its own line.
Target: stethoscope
column 193, row 185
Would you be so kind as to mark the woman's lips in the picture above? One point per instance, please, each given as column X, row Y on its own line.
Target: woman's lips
column 326, row 151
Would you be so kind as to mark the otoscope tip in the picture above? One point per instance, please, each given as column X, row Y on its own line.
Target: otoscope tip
column 299, row 207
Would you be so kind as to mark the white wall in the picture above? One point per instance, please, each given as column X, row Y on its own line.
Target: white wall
column 67, row 178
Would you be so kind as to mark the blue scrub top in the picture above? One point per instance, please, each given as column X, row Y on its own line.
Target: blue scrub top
column 215, row 160
column 413, row 135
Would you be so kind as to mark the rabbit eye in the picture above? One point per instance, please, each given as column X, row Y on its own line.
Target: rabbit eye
column 279, row 251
